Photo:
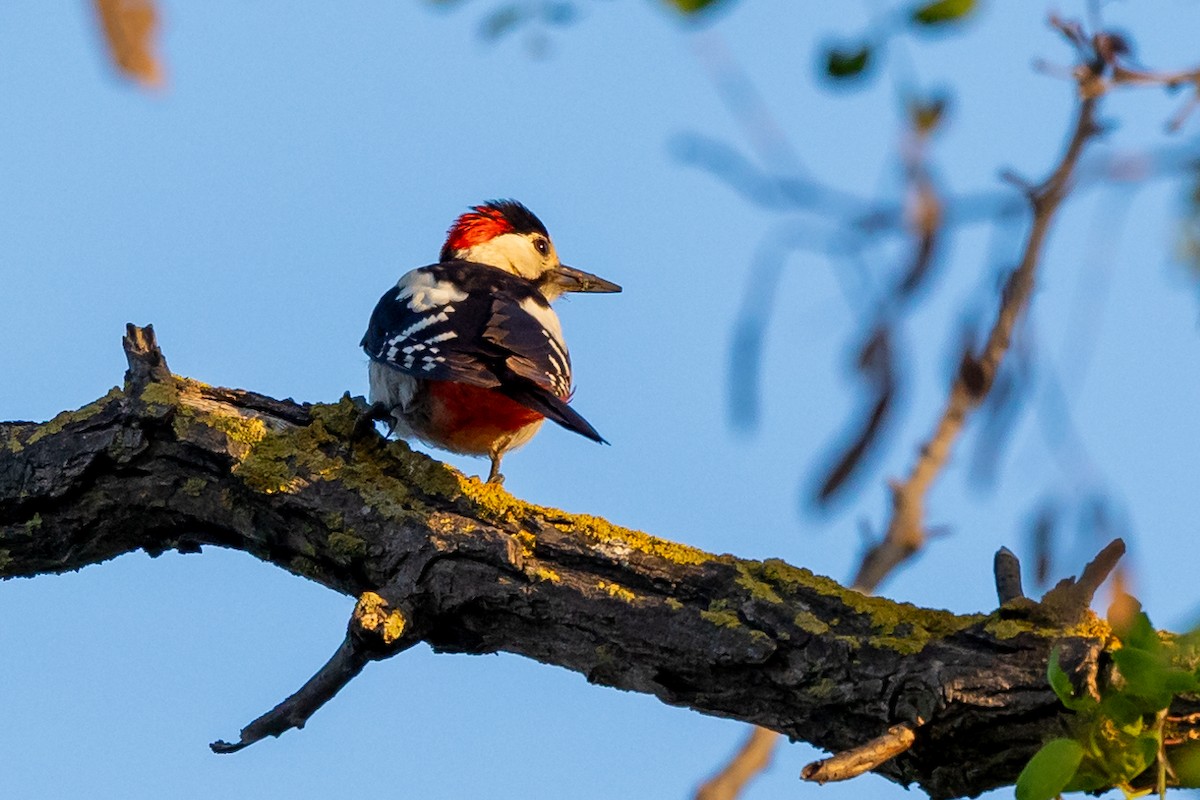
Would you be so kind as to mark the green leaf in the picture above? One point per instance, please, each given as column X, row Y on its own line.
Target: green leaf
column 1124, row 713
column 1050, row 770
column 1090, row 777
column 1131, row 625
column 692, row 6
column 1060, row 682
column 1119, row 765
column 1148, row 680
column 1179, row 681
column 1186, row 761
column 843, row 63
column 942, row 11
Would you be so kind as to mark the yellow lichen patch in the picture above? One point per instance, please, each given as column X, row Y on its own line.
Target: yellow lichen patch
column 372, row 613
column 527, row 542
column 721, row 617
column 604, row 532
column 12, row 441
column 247, row 430
column 1092, row 627
column 162, row 394
column 494, row 502
column 493, row 499
column 1009, row 628
column 674, row 604
column 896, row 626
column 810, row 623
column 759, row 590
column 191, row 384
column 380, row 475
column 543, row 574
column 393, row 627
column 617, row 591
column 377, row 483
column 288, row 460
column 66, row 418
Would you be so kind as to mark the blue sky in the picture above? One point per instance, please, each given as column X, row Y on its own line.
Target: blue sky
column 301, row 161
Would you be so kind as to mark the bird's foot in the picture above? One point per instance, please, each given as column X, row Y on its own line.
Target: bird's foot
column 494, row 476
column 376, row 412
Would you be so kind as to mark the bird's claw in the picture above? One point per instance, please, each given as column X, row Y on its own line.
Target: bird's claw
column 376, row 412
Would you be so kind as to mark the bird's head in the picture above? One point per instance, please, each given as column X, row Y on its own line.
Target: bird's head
column 506, row 235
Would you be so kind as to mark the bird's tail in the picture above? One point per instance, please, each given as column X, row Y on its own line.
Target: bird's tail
column 534, row 397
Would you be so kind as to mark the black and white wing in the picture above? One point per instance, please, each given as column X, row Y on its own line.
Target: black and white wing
column 430, row 327
column 475, row 324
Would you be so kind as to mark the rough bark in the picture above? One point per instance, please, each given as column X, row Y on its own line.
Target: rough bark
column 169, row 463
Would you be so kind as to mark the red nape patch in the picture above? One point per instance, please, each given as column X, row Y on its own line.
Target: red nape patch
column 477, row 226
column 470, row 419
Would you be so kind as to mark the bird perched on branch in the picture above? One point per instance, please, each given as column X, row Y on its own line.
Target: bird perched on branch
column 467, row 354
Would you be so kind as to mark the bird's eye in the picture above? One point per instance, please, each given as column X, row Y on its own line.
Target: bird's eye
column 542, row 246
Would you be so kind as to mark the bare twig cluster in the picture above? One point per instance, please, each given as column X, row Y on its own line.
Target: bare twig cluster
column 1100, row 68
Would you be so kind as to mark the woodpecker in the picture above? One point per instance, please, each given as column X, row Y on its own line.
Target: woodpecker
column 467, row 354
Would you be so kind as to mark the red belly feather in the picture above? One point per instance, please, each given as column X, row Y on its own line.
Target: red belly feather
column 471, row 419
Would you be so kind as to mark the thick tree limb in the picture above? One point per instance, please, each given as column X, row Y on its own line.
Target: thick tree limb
column 174, row 464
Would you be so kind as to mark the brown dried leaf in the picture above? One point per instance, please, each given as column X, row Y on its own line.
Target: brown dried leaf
column 130, row 29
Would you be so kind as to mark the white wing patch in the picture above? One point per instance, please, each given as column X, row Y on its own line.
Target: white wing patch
column 560, row 377
column 424, row 292
column 433, row 299
column 547, row 318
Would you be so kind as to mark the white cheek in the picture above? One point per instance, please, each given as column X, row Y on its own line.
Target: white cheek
column 511, row 252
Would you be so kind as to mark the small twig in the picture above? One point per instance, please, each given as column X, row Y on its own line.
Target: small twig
column 1008, row 576
column 1137, row 77
column 1068, row 602
column 750, row 761
column 1164, row 766
column 853, row 763
column 376, row 631
column 293, row 712
column 146, row 362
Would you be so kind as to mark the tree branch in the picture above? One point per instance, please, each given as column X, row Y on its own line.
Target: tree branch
column 439, row 558
column 752, row 758
column 375, row 632
column 905, row 534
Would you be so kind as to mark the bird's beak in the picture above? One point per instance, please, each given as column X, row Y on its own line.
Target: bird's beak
column 569, row 279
